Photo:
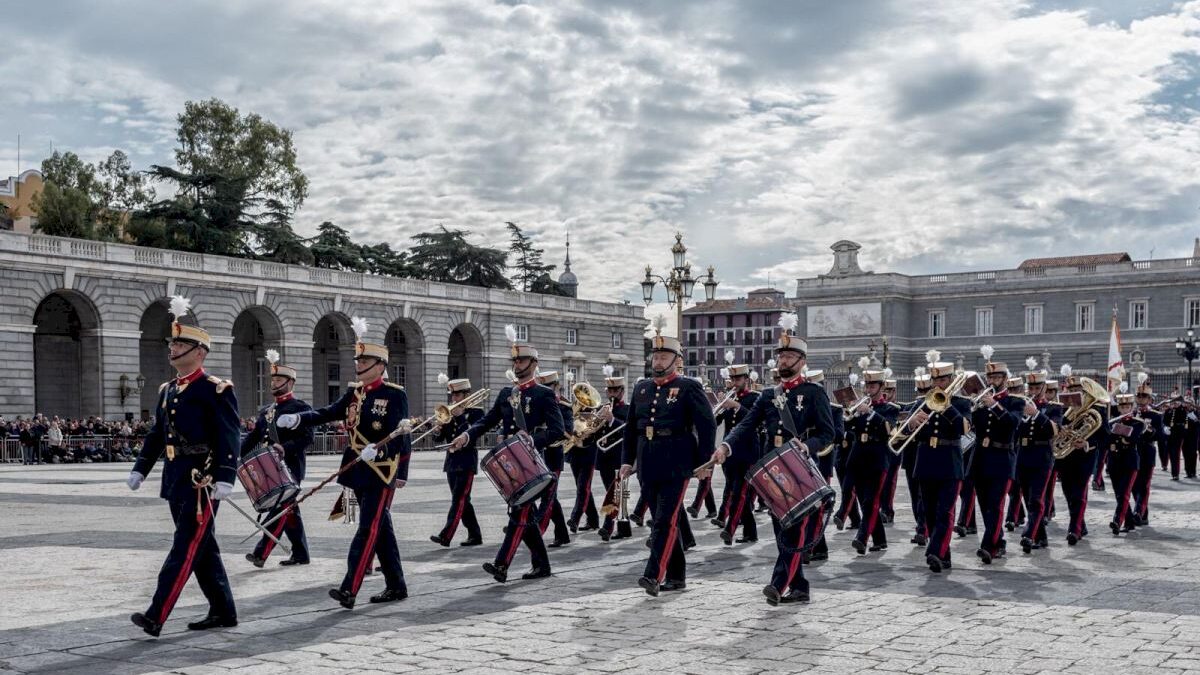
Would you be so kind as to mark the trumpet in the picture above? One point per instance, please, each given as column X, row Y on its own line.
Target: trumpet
column 977, row 400
column 443, row 413
column 728, row 395
column 936, row 400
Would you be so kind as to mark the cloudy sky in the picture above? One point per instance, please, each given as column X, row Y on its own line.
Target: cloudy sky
column 942, row 135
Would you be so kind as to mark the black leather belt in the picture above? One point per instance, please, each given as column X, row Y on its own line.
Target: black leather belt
column 993, row 444
column 935, row 442
column 651, row 433
column 187, row 450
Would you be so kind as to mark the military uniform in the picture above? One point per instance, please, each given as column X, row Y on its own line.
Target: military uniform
column 1148, row 441
column 549, row 508
column 608, row 462
column 532, row 408
column 1182, row 425
column 1035, row 468
column 196, row 430
column 741, row 497
column 583, row 465
column 1124, row 458
column 670, row 431
column 870, row 455
column 295, row 442
column 907, row 460
column 460, row 468
column 1075, row 472
column 372, row 411
column 993, row 466
column 812, row 417
column 938, row 468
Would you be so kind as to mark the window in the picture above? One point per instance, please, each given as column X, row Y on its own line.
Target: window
column 749, row 356
column 616, row 340
column 728, row 337
column 712, row 357
column 522, row 332
column 262, row 381
column 1085, row 317
column 1193, row 313
column 983, row 320
column 1033, row 318
column 572, row 336
column 396, row 373
column 768, row 335
column 710, row 338
column 692, row 322
column 1138, row 311
column 937, row 323
column 692, row 357
column 691, row 339
column 573, row 371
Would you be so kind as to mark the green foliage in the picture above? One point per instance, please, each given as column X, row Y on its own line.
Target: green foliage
column 333, row 249
column 445, row 255
column 381, row 259
column 207, row 216
column 528, row 264
column 276, row 240
column 82, row 200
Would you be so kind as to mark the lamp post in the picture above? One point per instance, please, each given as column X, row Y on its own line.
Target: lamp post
column 679, row 283
column 126, row 388
column 1189, row 349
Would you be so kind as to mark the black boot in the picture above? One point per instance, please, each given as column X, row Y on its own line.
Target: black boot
column 498, row 572
column 151, row 627
column 255, row 560
column 536, row 573
column 343, row 597
column 651, row 585
column 211, row 621
column 390, row 595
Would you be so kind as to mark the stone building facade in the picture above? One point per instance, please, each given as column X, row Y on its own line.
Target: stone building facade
column 80, row 321
column 1058, row 310
column 746, row 326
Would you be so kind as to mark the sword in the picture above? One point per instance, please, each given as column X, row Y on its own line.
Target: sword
column 255, row 523
column 287, row 509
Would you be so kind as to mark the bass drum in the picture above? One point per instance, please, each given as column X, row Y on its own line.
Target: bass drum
column 791, row 484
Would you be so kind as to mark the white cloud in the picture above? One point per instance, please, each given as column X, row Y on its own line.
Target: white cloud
column 941, row 135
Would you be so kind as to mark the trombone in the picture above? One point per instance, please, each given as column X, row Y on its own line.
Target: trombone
column 603, row 443
column 935, row 401
column 443, row 413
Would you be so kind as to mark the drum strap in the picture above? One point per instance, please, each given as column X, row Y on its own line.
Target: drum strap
column 785, row 412
column 272, row 430
column 514, row 400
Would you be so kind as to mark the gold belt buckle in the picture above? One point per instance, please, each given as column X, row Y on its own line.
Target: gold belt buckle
column 987, row 442
column 170, row 452
column 1024, row 441
column 778, row 440
column 649, row 433
column 864, row 437
column 933, row 442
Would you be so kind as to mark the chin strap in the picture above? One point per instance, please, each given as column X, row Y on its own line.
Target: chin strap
column 193, row 348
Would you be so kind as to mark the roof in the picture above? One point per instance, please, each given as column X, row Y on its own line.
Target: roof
column 1076, row 260
column 766, row 302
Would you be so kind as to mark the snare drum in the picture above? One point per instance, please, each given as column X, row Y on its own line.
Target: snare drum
column 517, row 469
column 791, row 484
column 267, row 480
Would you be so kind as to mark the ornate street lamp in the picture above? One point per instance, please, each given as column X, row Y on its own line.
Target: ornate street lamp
column 679, row 283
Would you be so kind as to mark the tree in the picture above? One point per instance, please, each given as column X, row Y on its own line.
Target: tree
column 333, row 249
column 547, row 286
column 119, row 191
column 529, row 266
column 214, row 138
column 208, row 215
column 276, row 240
column 381, row 259
column 67, row 204
column 445, row 255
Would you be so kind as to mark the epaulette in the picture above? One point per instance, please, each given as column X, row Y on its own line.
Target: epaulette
column 354, row 385
column 393, row 385
column 163, row 386
column 222, row 385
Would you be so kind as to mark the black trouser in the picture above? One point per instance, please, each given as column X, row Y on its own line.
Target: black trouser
column 788, row 573
column 1172, row 449
column 608, row 476
column 461, row 509
column 1190, row 453
column 374, row 537
column 666, row 541
column 523, row 527
column 918, row 504
column 1036, row 483
column 585, row 505
column 1075, row 480
column 704, row 496
column 193, row 549
column 887, row 504
column 293, row 526
column 1017, row 496
column 549, row 509
column 1124, row 475
column 741, row 507
column 992, row 490
column 847, row 507
column 1141, row 484
column 814, row 528
column 866, row 487
column 939, row 496
column 966, row 504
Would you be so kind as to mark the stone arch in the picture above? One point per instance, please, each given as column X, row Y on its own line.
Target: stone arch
column 332, row 358
column 66, row 356
column 406, row 359
column 153, row 354
column 466, row 354
column 256, row 329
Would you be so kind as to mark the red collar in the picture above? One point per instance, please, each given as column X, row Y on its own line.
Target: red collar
column 1001, row 395
column 529, row 384
column 372, row 386
column 285, row 398
column 743, row 392
column 660, row 381
column 791, row 384
column 188, row 379
column 879, row 401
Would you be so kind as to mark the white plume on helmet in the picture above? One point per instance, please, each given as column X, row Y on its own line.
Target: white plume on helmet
column 887, row 373
column 788, row 321
column 179, row 306
column 443, row 379
column 987, row 351
column 1123, row 387
column 1065, row 371
column 360, row 327
column 272, row 356
column 919, row 371
column 864, row 362
column 510, row 332
column 853, row 379
column 729, row 356
column 1142, row 377
column 771, row 363
column 724, row 372
column 1031, row 363
column 754, row 376
column 607, row 370
column 933, row 356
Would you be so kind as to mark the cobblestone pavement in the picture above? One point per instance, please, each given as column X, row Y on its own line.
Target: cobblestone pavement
column 79, row 553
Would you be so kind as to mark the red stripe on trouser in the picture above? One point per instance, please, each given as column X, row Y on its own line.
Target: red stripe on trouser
column 1125, row 500
column 185, row 571
column 796, row 555
column 672, row 532
column 278, row 532
column 1146, row 497
column 736, row 518
column 1077, row 524
column 1000, row 516
column 701, row 491
column 875, row 511
column 368, row 551
column 970, row 512
column 1046, row 492
column 522, row 522
column 945, row 547
column 847, row 502
column 551, row 497
column 587, row 495
column 1014, row 506
column 458, row 511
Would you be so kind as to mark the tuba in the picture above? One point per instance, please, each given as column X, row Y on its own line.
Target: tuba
column 587, row 420
column 1080, row 422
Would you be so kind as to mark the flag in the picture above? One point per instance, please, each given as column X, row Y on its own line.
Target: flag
column 1116, row 366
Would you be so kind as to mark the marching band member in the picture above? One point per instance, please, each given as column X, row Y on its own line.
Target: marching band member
column 1076, row 469
column 532, row 408
column 847, row 508
column 1035, row 457
column 993, row 462
column 372, row 408
column 923, row 384
column 1155, row 435
column 608, row 463
column 196, row 428
column 825, row 463
column 704, row 494
column 1125, row 431
column 669, row 429
column 582, row 458
column 459, row 466
column 869, row 430
column 741, row 496
column 1191, row 445
column 887, row 508
column 549, row 508
column 809, row 417
column 938, row 466
column 1182, row 423
column 290, row 445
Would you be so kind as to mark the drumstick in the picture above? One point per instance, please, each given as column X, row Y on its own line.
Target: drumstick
column 308, row 494
column 704, row 467
column 254, row 522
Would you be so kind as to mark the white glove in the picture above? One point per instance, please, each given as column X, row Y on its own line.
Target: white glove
column 1166, row 431
column 369, row 452
column 222, row 491
column 135, row 480
column 288, row 421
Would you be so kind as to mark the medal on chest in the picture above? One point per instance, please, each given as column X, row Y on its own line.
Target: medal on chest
column 672, row 394
column 379, row 407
